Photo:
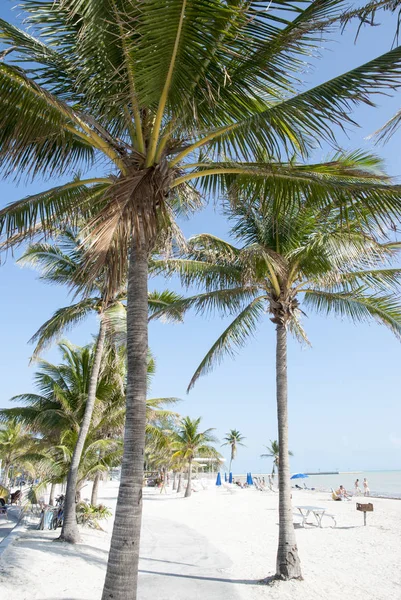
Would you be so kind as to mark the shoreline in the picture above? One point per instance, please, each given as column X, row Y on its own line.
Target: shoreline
column 218, row 544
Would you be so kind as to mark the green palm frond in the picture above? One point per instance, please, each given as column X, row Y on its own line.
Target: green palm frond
column 358, row 306
column 159, row 300
column 226, row 300
column 66, row 203
column 62, row 320
column 234, row 337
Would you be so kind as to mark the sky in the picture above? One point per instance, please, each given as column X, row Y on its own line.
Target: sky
column 344, row 391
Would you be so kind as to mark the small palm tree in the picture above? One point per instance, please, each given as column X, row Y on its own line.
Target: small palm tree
column 233, row 439
column 291, row 252
column 189, row 442
column 273, row 452
column 17, row 447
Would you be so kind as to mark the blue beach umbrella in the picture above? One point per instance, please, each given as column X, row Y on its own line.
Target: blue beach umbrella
column 299, row 476
column 230, row 478
column 218, row 480
column 250, row 480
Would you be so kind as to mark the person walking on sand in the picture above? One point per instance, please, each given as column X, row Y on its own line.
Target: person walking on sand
column 357, row 488
column 366, row 490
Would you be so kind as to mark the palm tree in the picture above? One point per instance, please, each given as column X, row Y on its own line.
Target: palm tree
column 233, row 439
column 189, row 442
column 56, row 411
column 61, row 262
column 17, row 448
column 182, row 93
column 273, row 452
column 290, row 250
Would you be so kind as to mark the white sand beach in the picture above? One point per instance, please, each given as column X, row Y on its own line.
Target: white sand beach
column 218, row 545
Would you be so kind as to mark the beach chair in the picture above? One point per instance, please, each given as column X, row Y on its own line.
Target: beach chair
column 233, row 489
column 335, row 496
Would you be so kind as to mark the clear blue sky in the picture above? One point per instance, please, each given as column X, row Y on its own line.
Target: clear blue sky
column 345, row 409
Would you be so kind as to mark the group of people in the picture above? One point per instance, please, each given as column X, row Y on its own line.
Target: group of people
column 342, row 494
column 366, row 490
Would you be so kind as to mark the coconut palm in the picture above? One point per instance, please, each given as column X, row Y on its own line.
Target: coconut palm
column 17, row 449
column 233, row 439
column 164, row 95
column 274, row 453
column 61, row 262
column 290, row 253
column 189, row 443
column 56, row 411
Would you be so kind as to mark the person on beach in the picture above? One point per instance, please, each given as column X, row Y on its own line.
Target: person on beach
column 341, row 493
column 366, row 490
column 357, row 488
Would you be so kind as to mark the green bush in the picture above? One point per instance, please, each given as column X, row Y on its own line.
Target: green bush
column 90, row 515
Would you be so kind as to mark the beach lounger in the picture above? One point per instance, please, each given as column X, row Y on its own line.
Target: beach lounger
column 233, row 489
column 336, row 497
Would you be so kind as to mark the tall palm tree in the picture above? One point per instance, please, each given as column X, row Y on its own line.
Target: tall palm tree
column 190, row 442
column 233, row 439
column 290, row 252
column 61, row 262
column 182, row 93
column 273, row 451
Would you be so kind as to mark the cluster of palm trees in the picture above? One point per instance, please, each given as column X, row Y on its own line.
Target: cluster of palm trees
column 165, row 103
column 38, row 437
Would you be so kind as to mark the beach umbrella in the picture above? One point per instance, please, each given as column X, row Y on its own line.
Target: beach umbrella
column 225, row 476
column 230, row 478
column 299, row 476
column 218, row 480
column 250, row 480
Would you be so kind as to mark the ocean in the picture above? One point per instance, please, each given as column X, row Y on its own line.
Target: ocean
column 385, row 484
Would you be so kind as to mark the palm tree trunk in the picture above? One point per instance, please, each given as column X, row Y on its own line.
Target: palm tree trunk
column 6, row 469
column 288, row 563
column 95, row 489
column 179, row 482
column 174, row 480
column 52, row 494
column 122, row 568
column 188, row 491
column 229, row 468
column 69, row 532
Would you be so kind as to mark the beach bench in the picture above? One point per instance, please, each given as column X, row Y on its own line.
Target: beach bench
column 318, row 512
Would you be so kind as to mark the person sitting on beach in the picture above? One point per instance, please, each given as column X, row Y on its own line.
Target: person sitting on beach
column 342, row 493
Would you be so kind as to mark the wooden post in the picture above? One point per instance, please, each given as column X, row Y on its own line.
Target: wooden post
column 364, row 508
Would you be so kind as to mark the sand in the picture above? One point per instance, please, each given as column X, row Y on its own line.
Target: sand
column 216, row 545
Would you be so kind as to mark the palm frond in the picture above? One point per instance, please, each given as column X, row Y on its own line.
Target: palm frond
column 358, row 306
column 61, row 321
column 234, row 337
